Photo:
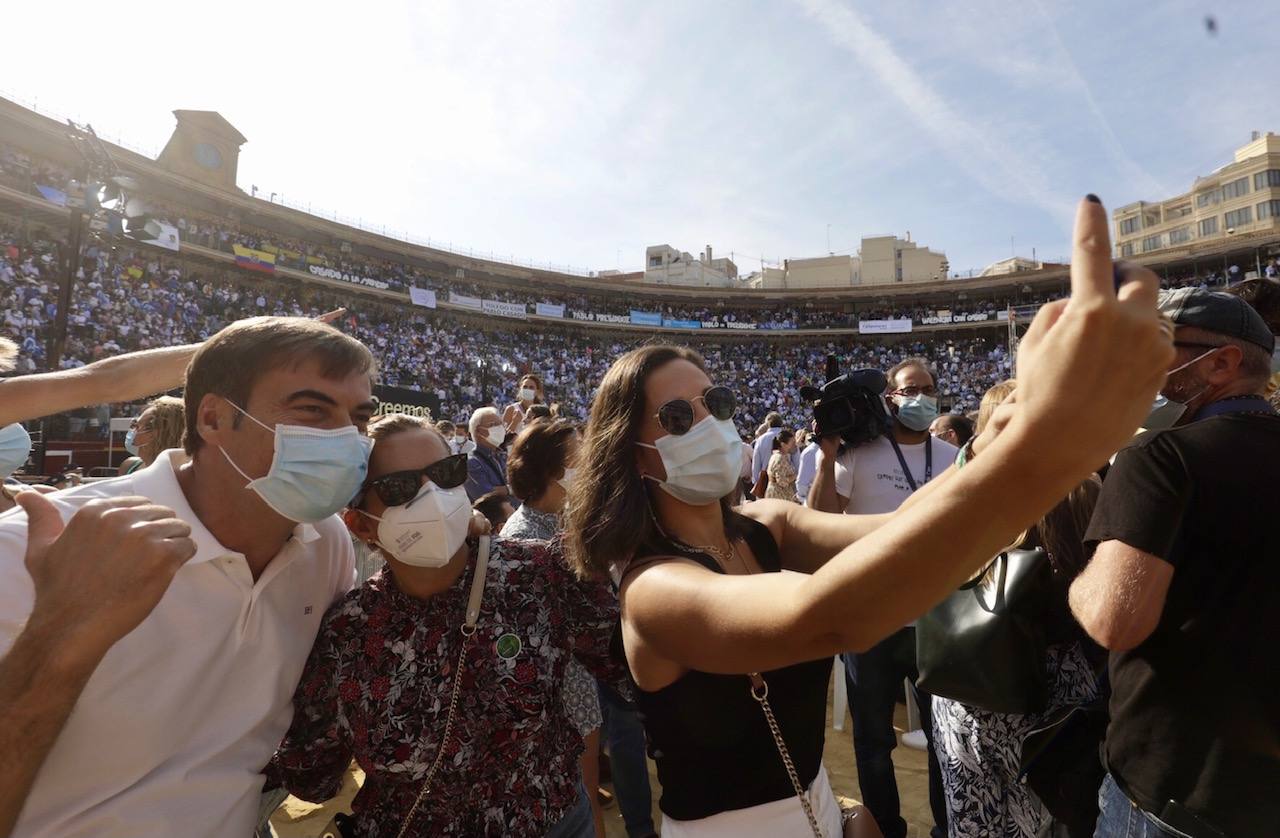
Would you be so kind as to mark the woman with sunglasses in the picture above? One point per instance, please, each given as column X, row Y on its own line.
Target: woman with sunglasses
column 730, row 618
column 399, row 681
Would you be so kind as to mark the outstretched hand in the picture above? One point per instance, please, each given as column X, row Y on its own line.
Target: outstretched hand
column 1090, row 366
column 100, row 575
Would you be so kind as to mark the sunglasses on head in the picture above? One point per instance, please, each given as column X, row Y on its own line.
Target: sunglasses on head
column 676, row 416
column 400, row 487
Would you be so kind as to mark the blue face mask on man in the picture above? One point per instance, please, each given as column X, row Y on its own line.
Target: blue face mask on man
column 15, row 447
column 314, row 472
column 916, row 413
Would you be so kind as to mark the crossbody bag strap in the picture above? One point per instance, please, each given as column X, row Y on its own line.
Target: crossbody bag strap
column 468, row 629
column 760, row 692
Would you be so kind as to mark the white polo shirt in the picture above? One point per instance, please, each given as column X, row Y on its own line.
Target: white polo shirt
column 174, row 727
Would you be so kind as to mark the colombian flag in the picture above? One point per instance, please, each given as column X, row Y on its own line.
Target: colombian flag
column 254, row 260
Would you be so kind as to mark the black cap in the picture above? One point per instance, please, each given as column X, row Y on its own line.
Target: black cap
column 1216, row 312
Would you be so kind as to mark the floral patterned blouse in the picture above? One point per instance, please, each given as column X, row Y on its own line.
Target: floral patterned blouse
column 379, row 679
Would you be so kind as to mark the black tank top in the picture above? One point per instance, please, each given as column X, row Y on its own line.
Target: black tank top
column 709, row 737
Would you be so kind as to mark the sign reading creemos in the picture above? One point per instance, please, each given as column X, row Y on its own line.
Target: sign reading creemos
column 646, row 318
column 549, row 310
column 501, row 309
column 355, row 279
column 465, row 302
column 883, row 327
column 406, row 401
column 424, row 297
column 943, row 317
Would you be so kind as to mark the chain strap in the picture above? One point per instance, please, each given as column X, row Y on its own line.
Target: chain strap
column 467, row 631
column 760, row 692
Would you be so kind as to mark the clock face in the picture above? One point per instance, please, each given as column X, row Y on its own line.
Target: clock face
column 208, row 156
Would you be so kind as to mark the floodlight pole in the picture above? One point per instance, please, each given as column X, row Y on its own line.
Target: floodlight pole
column 71, row 262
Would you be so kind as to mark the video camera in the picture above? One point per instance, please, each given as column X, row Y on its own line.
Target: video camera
column 850, row 405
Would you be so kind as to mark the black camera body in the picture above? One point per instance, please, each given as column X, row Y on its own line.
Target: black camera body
column 851, row 406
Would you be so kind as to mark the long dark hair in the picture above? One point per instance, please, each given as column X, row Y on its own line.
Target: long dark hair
column 1061, row 531
column 608, row 519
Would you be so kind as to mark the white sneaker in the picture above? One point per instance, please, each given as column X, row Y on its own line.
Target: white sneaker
column 915, row 740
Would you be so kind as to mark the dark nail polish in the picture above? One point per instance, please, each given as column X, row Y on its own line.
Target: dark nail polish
column 1093, row 197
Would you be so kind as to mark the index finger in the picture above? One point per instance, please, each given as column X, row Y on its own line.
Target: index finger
column 1092, row 277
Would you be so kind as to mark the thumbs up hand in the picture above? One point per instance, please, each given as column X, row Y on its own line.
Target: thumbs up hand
column 100, row 575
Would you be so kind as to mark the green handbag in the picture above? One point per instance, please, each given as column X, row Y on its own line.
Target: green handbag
column 984, row 645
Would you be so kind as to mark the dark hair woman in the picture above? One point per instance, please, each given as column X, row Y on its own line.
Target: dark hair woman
column 529, row 393
column 714, row 626
column 442, row 675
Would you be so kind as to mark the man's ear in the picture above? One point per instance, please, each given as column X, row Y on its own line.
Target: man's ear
column 212, row 420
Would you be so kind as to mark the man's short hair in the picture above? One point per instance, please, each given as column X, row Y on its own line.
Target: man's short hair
column 473, row 425
column 961, row 425
column 445, row 427
column 230, row 363
column 490, row 505
column 1255, row 362
column 906, row 363
column 773, row 419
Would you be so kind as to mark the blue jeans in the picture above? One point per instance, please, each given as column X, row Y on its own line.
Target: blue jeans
column 578, row 822
column 874, row 680
column 1119, row 817
column 623, row 735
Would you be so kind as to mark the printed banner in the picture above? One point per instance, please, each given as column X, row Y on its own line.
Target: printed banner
column 646, row 318
column 943, row 317
column 464, row 301
column 682, row 324
column 354, row 279
column 254, row 260
column 424, row 297
column 592, row 317
column 501, row 309
column 57, row 196
column 548, row 310
column 739, row 324
column 883, row 327
column 168, row 238
column 403, row 400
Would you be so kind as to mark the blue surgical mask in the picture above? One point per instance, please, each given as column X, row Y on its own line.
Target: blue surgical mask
column 130, row 443
column 314, row 472
column 916, row 413
column 15, row 447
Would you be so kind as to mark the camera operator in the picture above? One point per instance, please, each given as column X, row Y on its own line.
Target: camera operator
column 870, row 478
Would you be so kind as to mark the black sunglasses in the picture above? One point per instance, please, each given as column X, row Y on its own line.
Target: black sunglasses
column 676, row 416
column 400, row 487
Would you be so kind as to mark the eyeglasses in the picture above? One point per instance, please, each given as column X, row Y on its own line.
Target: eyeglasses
column 912, row 392
column 676, row 416
column 400, row 487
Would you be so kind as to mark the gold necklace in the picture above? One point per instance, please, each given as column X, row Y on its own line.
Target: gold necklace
column 720, row 555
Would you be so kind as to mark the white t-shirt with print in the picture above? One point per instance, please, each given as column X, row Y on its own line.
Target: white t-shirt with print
column 871, row 476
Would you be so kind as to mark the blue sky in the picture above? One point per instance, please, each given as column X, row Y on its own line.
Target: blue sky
column 578, row 133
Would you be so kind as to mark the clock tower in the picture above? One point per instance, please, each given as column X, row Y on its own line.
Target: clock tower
column 204, row 147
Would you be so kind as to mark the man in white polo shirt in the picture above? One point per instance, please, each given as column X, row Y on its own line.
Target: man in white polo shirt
column 165, row 727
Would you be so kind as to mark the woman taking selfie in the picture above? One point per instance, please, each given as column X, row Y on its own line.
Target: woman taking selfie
column 730, row 618
column 443, row 675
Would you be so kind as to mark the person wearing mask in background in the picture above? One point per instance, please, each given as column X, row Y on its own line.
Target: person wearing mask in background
column 529, row 393
column 953, row 428
column 15, row 449
column 979, row 751
column 1182, row 586
column 459, row 731
column 459, row 442
column 496, row 507
column 487, row 464
column 871, row 479
column 540, row 470
column 158, row 428
column 208, row 632
column 808, row 467
column 782, row 475
column 763, row 449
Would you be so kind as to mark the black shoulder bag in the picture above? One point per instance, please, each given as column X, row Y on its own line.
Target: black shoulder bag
column 985, row 645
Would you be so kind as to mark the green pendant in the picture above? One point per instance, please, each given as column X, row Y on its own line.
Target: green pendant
column 508, row 646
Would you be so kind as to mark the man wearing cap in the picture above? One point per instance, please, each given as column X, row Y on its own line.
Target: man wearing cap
column 1182, row 588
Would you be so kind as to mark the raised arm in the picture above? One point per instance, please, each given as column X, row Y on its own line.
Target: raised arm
column 927, row 548
column 823, row 496
column 86, row 598
column 124, row 378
